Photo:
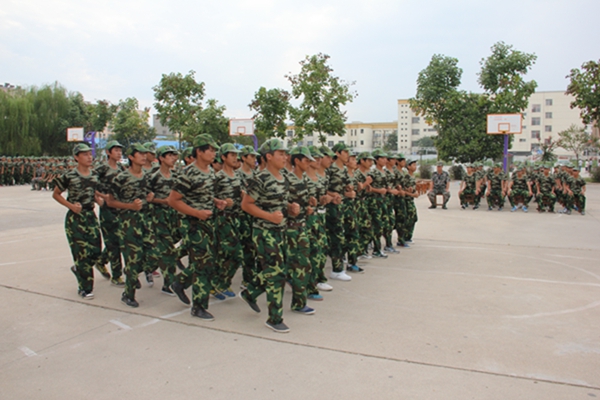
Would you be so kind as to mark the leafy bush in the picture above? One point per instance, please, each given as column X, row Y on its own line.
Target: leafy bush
column 457, row 172
column 595, row 175
column 425, row 171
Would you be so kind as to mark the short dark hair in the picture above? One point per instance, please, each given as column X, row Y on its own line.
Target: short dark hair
column 202, row 148
column 297, row 157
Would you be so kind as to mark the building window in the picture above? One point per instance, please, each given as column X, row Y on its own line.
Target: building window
column 522, row 140
column 415, row 131
column 535, row 121
column 309, row 143
column 548, row 102
column 415, row 120
column 536, row 108
column 340, row 141
column 330, row 143
column 362, row 142
column 535, row 135
column 301, row 143
column 362, row 131
column 548, row 115
column 548, row 128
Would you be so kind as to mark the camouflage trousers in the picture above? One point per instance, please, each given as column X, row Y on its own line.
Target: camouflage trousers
column 109, row 223
column 138, row 245
column 375, row 208
column 389, row 219
column 334, row 226
column 83, row 236
column 495, row 198
column 249, row 265
column 400, row 214
column 411, row 219
column 271, row 252
column 469, row 192
column 519, row 193
column 575, row 200
column 200, row 274
column 546, row 198
column 298, row 263
column 165, row 223
column 482, row 190
column 315, row 225
column 351, row 233
column 229, row 250
column 365, row 230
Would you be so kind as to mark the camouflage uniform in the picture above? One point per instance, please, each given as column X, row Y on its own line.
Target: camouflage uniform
column 399, row 206
column 411, row 210
column 388, row 210
column 496, row 195
column 546, row 185
column 318, row 242
column 83, row 232
column 351, row 233
column 270, row 194
column 470, row 188
column 363, row 218
column 334, row 218
column 109, row 222
column 519, row 188
column 249, row 265
column 375, row 205
column 578, row 198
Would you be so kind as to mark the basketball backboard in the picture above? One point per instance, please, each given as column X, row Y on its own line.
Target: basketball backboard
column 75, row 134
column 243, row 127
column 504, row 124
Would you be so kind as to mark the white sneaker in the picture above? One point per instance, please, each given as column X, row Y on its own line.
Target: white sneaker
column 325, row 287
column 340, row 276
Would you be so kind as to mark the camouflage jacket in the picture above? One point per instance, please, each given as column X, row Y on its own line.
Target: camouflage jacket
column 160, row 185
column 379, row 180
column 106, row 174
column 270, row 195
column 81, row 189
column 298, row 193
column 126, row 188
column 196, row 187
column 229, row 187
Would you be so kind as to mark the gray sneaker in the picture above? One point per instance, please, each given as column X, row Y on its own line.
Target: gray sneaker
column 279, row 328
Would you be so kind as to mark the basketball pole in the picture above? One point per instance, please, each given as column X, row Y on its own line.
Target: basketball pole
column 505, row 152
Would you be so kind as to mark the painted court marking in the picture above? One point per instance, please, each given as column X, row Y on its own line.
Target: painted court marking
column 27, row 351
column 120, row 324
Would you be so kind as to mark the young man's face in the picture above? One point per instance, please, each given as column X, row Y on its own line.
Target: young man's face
column 115, row 153
column 412, row 167
column 138, row 158
column 250, row 161
column 326, row 162
column 302, row 164
column 230, row 159
column 84, row 158
column 315, row 164
column 150, row 157
column 278, row 159
column 188, row 160
column 401, row 163
column 208, row 155
column 352, row 162
column 439, row 169
column 381, row 161
column 343, row 156
column 168, row 159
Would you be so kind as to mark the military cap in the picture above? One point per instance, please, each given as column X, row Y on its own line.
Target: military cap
column 113, row 143
column 272, row 145
column 140, row 148
column 326, row 151
column 378, row 153
column 338, row 147
column 205, row 139
column 314, row 152
column 80, row 147
column 408, row 162
column 248, row 150
column 440, row 164
column 365, row 155
column 162, row 150
column 228, row 148
column 303, row 151
column 352, row 153
column 576, row 169
column 400, row 156
column 150, row 147
column 187, row 152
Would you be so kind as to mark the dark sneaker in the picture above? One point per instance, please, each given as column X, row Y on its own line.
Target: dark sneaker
column 167, row 290
column 129, row 302
column 138, row 284
column 582, row 212
column 463, row 206
column 217, row 295
column 178, row 289
column 244, row 296
column 379, row 254
column 568, row 212
column 306, row 310
column 228, row 293
column 86, row 295
column 431, row 207
column 103, row 271
column 201, row 313
column 315, row 297
column 279, row 328
column 475, row 208
column 149, row 279
column 444, row 207
column 355, row 269
column 119, row 282
column 500, row 208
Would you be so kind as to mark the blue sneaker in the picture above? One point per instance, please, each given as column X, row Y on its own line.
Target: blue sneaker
column 513, row 209
column 379, row 254
column 315, row 297
column 228, row 293
column 525, row 209
column 217, row 295
column 409, row 241
column 355, row 269
column 406, row 245
column 306, row 310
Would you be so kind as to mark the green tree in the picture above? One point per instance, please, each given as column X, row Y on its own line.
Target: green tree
column 547, row 147
column 426, row 141
column 212, row 121
column 322, row 98
column 574, row 139
column 131, row 124
column 391, row 143
column 271, row 108
column 585, row 87
column 179, row 103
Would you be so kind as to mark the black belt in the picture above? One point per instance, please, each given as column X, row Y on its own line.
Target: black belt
column 88, row 207
column 232, row 214
column 296, row 224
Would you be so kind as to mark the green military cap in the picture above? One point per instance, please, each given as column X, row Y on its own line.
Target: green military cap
column 365, row 155
column 272, row 145
column 498, row 165
column 378, row 153
column 205, row 139
column 302, row 151
column 80, row 147
column 352, row 153
column 162, row 150
column 187, row 152
column 408, row 162
column 140, row 148
column 113, row 143
column 338, row 147
column 326, row 151
column 314, row 152
column 228, row 148
column 440, row 164
column 248, row 150
column 150, row 147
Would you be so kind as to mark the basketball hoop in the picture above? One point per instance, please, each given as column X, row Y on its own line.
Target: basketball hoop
column 241, row 127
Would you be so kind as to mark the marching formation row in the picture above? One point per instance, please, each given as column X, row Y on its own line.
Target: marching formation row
column 277, row 213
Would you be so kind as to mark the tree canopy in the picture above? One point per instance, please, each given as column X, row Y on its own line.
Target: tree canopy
column 584, row 85
column 131, row 125
column 271, row 109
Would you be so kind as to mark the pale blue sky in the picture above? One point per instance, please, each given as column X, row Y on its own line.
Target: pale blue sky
column 117, row 49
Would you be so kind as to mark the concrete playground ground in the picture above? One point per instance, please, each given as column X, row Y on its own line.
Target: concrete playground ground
column 484, row 305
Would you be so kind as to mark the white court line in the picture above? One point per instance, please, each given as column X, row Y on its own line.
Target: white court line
column 12, row 241
column 120, row 324
column 151, row 322
column 28, row 352
column 10, row 263
column 174, row 314
column 548, row 314
column 577, row 258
